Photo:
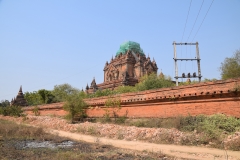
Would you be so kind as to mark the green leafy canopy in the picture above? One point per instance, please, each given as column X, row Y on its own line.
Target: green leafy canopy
column 230, row 67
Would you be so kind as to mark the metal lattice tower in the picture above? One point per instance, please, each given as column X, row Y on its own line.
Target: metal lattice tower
column 197, row 58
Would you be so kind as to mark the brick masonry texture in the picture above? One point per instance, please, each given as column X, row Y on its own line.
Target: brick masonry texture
column 202, row 98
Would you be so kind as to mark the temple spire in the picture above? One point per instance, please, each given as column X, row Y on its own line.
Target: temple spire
column 112, row 58
column 161, row 75
column 20, row 90
column 19, row 100
column 87, row 87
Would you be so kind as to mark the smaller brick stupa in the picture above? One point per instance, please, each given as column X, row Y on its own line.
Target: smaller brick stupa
column 19, row 100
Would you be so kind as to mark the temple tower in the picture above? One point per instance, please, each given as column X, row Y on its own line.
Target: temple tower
column 19, row 100
column 126, row 68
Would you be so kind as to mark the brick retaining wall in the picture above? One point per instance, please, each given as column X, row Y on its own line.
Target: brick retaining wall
column 202, row 98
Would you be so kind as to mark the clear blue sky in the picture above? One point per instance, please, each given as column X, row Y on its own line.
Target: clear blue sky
column 51, row 42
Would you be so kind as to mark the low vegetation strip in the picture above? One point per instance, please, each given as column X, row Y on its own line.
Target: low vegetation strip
column 149, row 151
column 216, row 131
column 176, row 151
column 21, row 142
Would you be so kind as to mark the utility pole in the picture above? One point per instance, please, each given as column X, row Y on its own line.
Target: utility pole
column 197, row 58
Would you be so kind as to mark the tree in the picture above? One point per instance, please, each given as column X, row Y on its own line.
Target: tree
column 82, row 94
column 46, row 96
column 74, row 105
column 230, row 67
column 61, row 92
column 153, row 81
column 33, row 98
column 4, row 103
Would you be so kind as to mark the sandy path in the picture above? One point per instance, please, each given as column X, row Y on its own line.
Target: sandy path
column 190, row 152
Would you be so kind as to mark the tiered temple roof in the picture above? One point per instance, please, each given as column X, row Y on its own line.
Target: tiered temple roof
column 19, row 100
column 126, row 68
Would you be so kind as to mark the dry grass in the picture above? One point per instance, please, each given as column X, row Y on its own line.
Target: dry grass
column 11, row 130
column 234, row 145
column 12, row 133
column 198, row 130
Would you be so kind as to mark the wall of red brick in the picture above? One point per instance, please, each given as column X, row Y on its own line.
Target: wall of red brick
column 203, row 98
column 230, row 107
column 55, row 109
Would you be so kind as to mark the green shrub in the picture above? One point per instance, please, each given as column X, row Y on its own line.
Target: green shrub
column 139, row 123
column 100, row 93
column 218, row 123
column 1, row 110
column 125, row 89
column 122, row 119
column 153, row 81
column 115, row 105
column 106, row 117
column 36, row 111
column 147, row 82
column 212, row 126
column 11, row 111
column 92, row 130
column 75, row 106
column 190, row 123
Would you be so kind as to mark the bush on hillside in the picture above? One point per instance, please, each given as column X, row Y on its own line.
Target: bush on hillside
column 75, row 106
column 11, row 111
column 100, row 93
column 212, row 126
column 125, row 89
column 153, row 81
column 196, row 81
column 147, row 82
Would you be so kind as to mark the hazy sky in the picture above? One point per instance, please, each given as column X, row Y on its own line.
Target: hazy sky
column 51, row 42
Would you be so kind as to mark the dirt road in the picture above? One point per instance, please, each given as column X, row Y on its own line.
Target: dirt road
column 189, row 152
column 62, row 128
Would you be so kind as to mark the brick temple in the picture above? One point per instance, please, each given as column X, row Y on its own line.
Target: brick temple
column 129, row 64
column 19, row 100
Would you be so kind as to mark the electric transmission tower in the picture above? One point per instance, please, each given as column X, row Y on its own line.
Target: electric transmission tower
column 197, row 58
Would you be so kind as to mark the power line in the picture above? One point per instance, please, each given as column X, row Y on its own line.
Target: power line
column 195, row 20
column 203, row 20
column 186, row 20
